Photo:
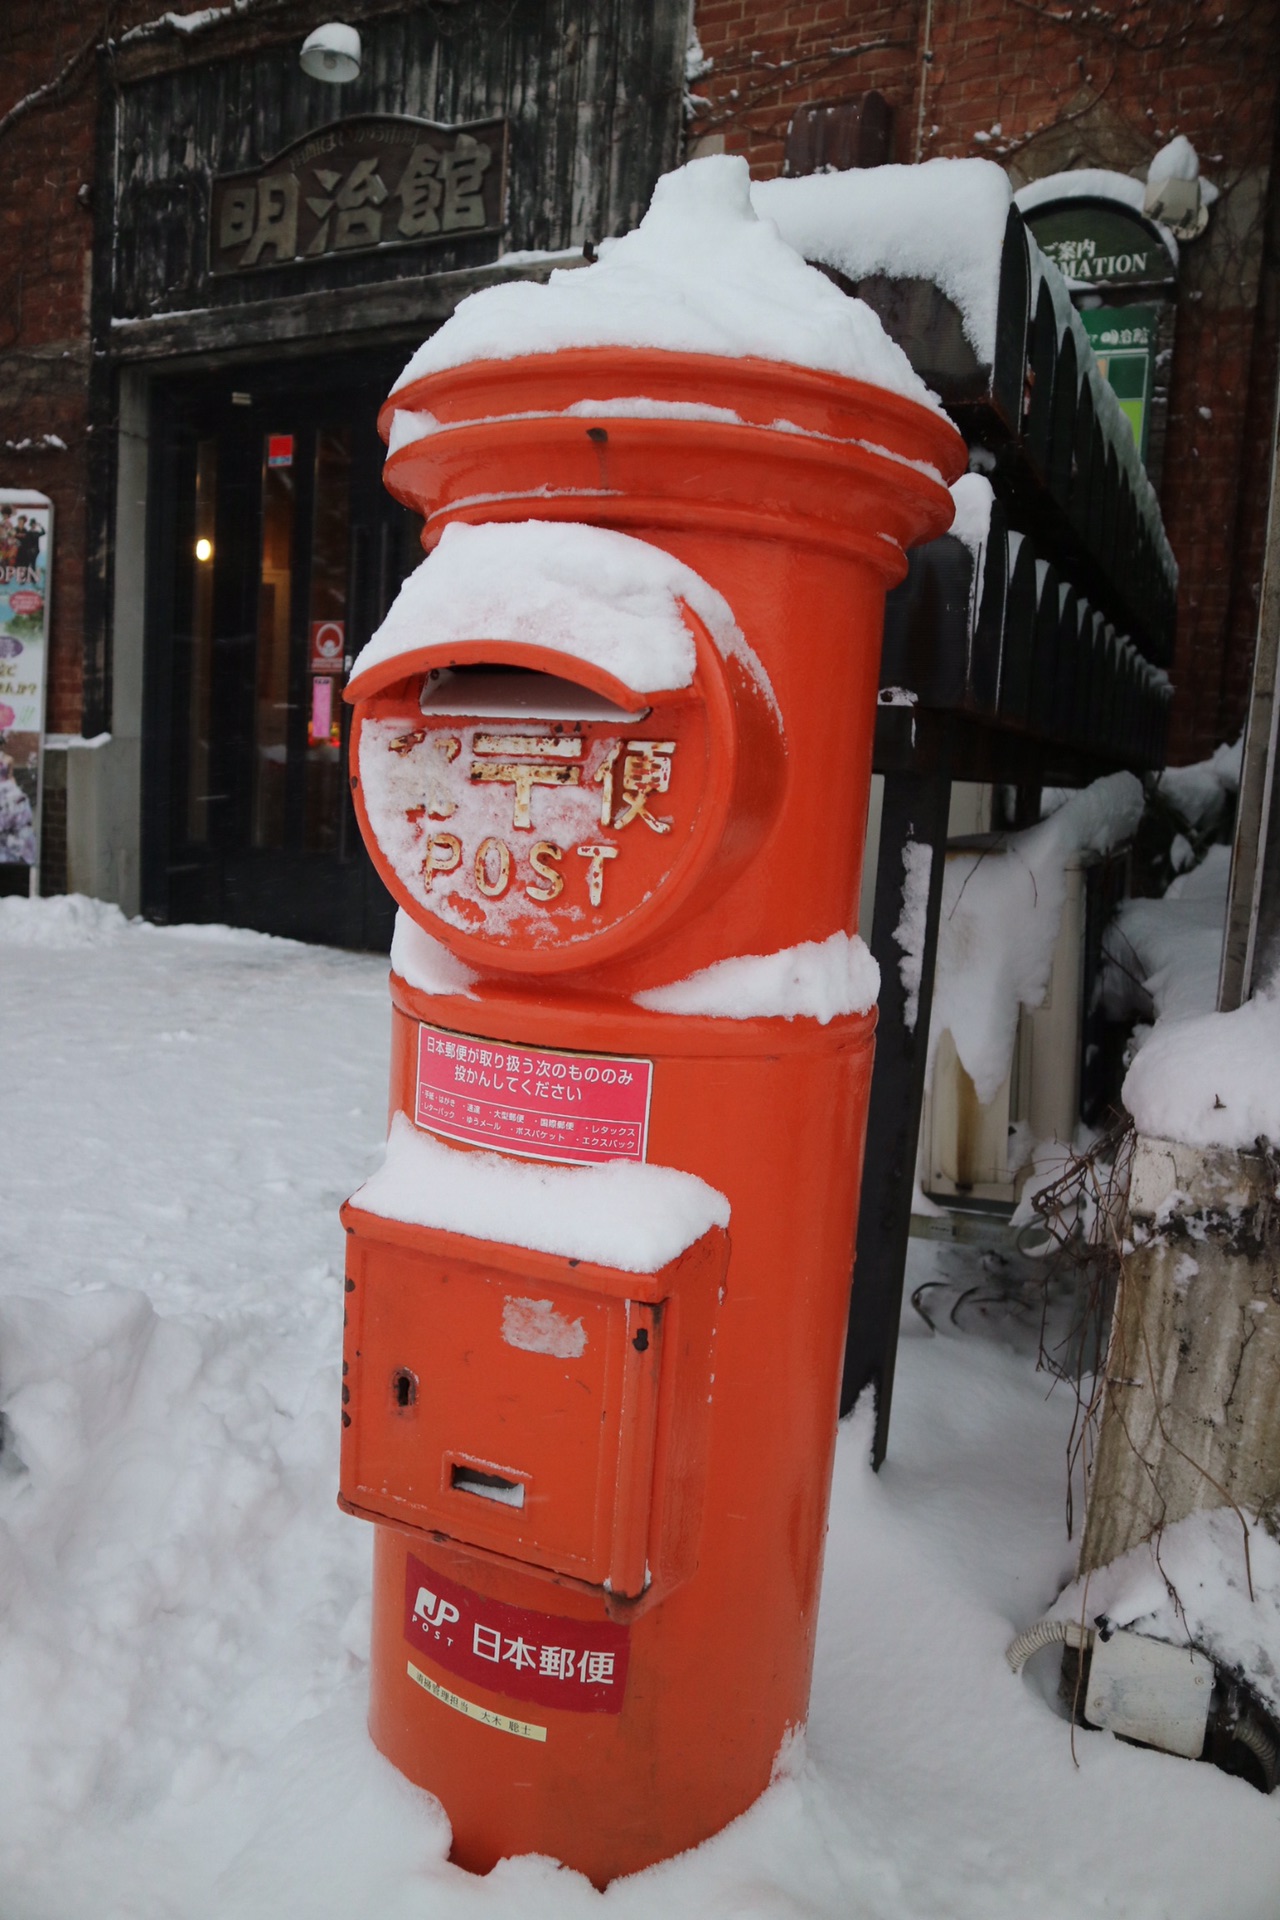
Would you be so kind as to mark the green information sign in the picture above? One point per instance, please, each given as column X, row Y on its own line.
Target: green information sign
column 1096, row 243
column 1124, row 340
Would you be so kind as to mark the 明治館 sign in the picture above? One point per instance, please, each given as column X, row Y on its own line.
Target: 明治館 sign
column 26, row 535
column 369, row 183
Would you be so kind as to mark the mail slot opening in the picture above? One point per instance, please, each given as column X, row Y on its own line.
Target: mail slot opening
column 488, row 1486
column 507, row 693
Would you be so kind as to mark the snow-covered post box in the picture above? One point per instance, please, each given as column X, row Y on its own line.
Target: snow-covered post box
column 612, row 754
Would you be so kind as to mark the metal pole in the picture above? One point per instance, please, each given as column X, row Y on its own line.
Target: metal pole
column 1250, row 941
column 916, row 806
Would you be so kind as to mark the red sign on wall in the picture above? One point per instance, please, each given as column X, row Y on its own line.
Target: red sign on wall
column 583, row 1108
column 328, row 645
column 577, row 1666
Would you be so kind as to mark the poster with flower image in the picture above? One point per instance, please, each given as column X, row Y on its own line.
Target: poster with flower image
column 26, row 536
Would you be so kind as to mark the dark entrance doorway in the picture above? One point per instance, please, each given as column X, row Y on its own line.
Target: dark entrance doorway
column 274, row 553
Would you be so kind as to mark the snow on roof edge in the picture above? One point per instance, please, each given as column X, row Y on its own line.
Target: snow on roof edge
column 1093, row 183
column 943, row 220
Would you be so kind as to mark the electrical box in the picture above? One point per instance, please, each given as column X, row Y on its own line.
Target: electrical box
column 1149, row 1691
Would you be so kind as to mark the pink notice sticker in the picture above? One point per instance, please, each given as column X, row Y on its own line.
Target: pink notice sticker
column 321, row 725
column 578, row 1107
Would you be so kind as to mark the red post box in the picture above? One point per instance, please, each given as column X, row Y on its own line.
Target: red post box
column 612, row 756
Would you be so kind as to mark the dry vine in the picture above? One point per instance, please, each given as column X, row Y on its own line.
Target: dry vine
column 1081, row 1212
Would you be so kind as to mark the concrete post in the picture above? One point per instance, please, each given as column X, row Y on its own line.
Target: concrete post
column 104, row 775
column 1191, row 1407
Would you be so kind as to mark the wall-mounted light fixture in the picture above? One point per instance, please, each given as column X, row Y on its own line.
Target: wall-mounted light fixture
column 332, row 53
column 204, row 549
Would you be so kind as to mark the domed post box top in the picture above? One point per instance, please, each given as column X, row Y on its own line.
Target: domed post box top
column 701, row 329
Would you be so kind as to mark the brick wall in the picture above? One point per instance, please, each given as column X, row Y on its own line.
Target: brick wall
column 768, row 59
column 46, row 158
column 1041, row 89
column 47, row 208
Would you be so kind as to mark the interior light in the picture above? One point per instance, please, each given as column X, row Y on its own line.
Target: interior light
column 204, row 549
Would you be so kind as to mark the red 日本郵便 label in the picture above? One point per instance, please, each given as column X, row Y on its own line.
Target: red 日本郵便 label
column 583, row 1108
column 577, row 1666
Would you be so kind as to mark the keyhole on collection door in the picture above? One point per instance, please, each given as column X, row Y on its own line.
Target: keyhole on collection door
column 404, row 1388
column 641, row 1341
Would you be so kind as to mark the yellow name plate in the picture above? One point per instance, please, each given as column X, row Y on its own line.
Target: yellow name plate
column 526, row 1729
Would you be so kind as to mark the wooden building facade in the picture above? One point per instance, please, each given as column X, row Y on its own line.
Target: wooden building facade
column 268, row 250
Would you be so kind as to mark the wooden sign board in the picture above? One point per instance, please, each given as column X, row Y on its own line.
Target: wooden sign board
column 362, row 184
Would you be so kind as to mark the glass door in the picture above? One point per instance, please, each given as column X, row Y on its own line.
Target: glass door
column 275, row 552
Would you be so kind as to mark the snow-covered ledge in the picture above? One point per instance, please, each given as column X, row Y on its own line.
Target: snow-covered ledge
column 637, row 1217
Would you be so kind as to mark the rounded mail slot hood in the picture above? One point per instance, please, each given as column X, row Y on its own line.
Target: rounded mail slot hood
column 538, row 815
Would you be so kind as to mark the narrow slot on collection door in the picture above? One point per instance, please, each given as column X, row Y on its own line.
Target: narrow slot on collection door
column 512, row 693
column 487, row 1486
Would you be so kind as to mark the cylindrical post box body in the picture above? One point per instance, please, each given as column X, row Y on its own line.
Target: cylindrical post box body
column 600, row 1482
column 720, row 1666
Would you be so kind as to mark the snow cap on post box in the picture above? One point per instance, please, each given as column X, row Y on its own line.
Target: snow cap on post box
column 701, row 329
column 703, row 273
column 547, row 740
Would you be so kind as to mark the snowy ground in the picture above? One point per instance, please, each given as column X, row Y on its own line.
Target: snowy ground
column 182, row 1667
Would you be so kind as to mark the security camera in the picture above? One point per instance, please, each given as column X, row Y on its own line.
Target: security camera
column 331, row 53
